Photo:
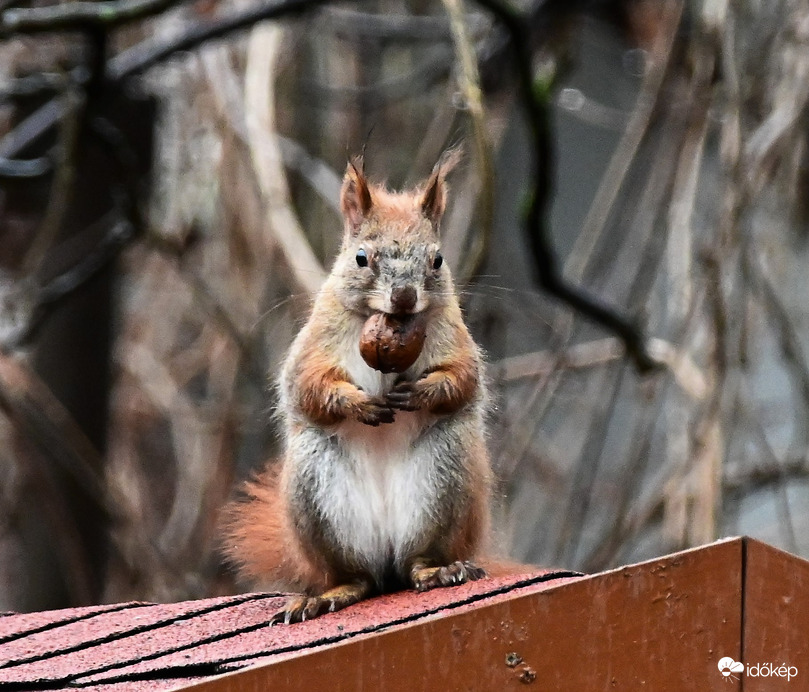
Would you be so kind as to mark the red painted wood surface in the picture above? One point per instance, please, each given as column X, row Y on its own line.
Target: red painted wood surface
column 776, row 620
column 658, row 625
column 137, row 646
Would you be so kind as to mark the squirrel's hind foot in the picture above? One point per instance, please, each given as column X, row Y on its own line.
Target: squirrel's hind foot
column 303, row 608
column 426, row 578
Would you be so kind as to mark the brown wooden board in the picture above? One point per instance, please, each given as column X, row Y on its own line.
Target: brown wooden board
column 659, row 625
column 776, row 620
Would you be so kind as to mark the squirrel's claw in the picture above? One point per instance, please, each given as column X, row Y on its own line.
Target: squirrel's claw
column 302, row 608
column 405, row 404
column 399, row 398
column 376, row 411
column 299, row 609
column 459, row 572
column 402, row 397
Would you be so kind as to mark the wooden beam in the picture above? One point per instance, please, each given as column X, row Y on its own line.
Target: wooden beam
column 776, row 619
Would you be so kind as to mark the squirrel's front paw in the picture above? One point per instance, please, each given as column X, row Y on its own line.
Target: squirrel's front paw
column 375, row 411
column 402, row 397
column 459, row 572
column 302, row 608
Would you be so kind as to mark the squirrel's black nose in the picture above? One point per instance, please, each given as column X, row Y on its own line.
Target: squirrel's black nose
column 403, row 299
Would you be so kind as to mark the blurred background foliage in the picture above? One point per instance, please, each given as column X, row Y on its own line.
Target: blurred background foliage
column 169, row 174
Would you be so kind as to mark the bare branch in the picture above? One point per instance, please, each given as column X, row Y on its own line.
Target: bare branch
column 535, row 104
column 469, row 82
column 765, row 475
column 626, row 149
column 25, row 168
column 596, row 353
column 138, row 59
column 62, row 184
column 79, row 15
column 42, row 418
column 389, row 27
column 267, row 161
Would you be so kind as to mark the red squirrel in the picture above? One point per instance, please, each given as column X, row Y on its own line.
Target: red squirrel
column 385, row 479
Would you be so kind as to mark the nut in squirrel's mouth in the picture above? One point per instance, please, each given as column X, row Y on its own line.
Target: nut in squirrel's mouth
column 392, row 343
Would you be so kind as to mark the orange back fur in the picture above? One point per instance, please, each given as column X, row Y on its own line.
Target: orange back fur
column 259, row 542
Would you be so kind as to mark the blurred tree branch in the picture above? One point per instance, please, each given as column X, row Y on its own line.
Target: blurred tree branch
column 469, row 83
column 79, row 15
column 534, row 98
column 25, row 168
column 388, row 27
column 193, row 361
column 139, row 58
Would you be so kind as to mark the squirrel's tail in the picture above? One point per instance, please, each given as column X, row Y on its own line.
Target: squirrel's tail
column 259, row 541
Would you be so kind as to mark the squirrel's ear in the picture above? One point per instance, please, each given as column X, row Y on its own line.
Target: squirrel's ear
column 434, row 198
column 355, row 197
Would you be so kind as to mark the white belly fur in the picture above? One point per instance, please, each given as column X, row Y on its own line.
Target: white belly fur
column 378, row 502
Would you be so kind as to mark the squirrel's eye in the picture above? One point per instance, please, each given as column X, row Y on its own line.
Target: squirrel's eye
column 438, row 261
column 362, row 258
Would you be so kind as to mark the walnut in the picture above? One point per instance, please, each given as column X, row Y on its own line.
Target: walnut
column 392, row 343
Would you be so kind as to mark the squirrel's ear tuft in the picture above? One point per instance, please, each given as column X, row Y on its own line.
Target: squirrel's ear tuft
column 434, row 197
column 355, row 196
